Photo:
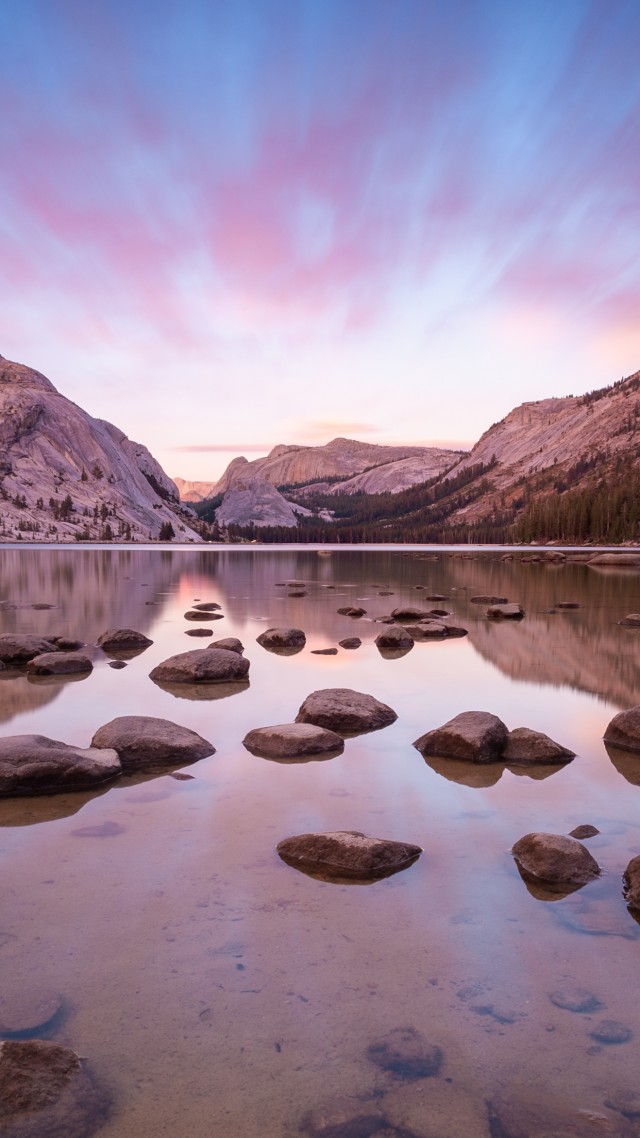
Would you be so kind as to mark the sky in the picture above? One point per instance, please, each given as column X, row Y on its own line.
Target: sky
column 229, row 225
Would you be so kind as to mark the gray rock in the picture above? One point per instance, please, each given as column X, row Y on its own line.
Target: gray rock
column 631, row 884
column 350, row 642
column 46, row 1091
column 201, row 666
column 526, row 746
column 230, row 644
column 556, row 859
column 394, row 637
column 505, row 612
column 611, row 1031
column 632, row 620
column 33, row 764
column 574, row 999
column 483, row 599
column 585, row 831
column 292, row 740
column 122, row 640
column 405, row 1052
column 345, row 710
column 623, row 730
column 143, row 742
column 347, row 854
column 59, row 664
column 17, row 648
column 282, row 638
column 475, row 736
column 427, row 630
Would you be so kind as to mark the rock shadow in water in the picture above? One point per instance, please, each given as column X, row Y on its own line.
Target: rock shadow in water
column 203, row 691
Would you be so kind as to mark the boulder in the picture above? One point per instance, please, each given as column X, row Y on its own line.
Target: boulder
column 632, row 620
column 324, row 651
column 394, row 637
column 207, row 606
column 122, row 640
column 67, row 643
column 16, row 648
column 483, row 599
column 406, row 1053
column 427, row 630
column 623, row 730
column 193, row 615
column 350, row 642
column 143, row 742
column 33, row 764
column 475, row 736
column 118, row 665
column 584, row 831
column 59, row 664
column 556, row 859
column 626, row 559
column 505, row 612
column 201, row 666
column 410, row 613
column 352, row 610
column 347, row 854
column 45, row 1090
column 574, row 999
column 28, row 1012
column 345, row 710
column 292, row 740
column 198, row 632
column 631, row 884
column 274, row 638
column 230, row 644
column 526, row 746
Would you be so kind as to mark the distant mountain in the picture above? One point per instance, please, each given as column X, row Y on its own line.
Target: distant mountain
column 194, row 491
column 66, row 476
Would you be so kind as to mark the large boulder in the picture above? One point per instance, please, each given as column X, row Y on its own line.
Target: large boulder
column 46, row 1091
column 143, row 742
column 123, row 640
column 526, row 746
column 409, row 612
column 347, row 854
column 345, row 710
column 631, row 884
column 505, row 612
column 623, row 730
column 275, row 638
column 17, row 648
column 33, row 764
column 475, row 736
column 556, row 859
column 59, row 664
column 201, row 666
column 292, row 740
column 395, row 637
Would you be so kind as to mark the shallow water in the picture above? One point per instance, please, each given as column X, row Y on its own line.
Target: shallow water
column 217, row 991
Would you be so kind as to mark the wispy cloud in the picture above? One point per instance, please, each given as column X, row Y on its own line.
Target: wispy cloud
column 224, row 448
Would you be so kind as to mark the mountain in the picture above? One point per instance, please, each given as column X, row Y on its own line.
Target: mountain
column 194, row 491
column 66, row 476
column 256, row 502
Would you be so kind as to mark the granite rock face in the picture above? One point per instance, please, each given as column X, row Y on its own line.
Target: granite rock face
column 254, row 501
column 33, row 764
column 344, row 710
column 347, row 854
column 142, row 742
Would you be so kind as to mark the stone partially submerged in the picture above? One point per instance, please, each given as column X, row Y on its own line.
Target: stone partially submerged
column 623, row 730
column 278, row 638
column 18, row 648
column 143, row 742
column 394, row 638
column 33, row 764
column 347, row 854
column 46, row 1091
column 292, row 740
column 527, row 746
column 59, row 664
column 505, row 612
column 476, row 736
column 405, row 1052
column 201, row 666
column 123, row 640
column 631, row 884
column 555, row 859
column 344, row 710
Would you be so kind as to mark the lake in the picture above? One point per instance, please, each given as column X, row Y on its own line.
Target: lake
column 215, row 990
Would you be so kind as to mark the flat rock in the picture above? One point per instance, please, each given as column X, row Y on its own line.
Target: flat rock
column 59, row 664
column 46, row 1091
column 631, row 884
column 567, row 605
column 486, row 599
column 324, row 651
column 193, row 615
column 122, row 640
column 505, row 612
column 142, row 742
column 347, row 854
column 201, row 666
column 611, row 1031
column 33, row 764
column 282, row 638
column 574, row 999
column 17, row 648
column 624, row 559
column 409, row 612
column 584, row 831
column 474, row 736
column 556, row 859
column 28, row 1012
column 198, row 632
column 405, row 1052
column 350, row 642
column 229, row 644
column 631, row 620
column 427, row 630
column 345, row 710
column 394, row 637
column 292, row 740
column 67, row 643
column 117, row 664
column 352, row 610
column 623, row 730
column 526, row 746
column 207, row 606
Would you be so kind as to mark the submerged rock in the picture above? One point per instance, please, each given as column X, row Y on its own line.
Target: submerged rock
column 611, row 1031
column 198, row 632
column 229, row 643
column 345, row 710
column 207, row 615
column 632, row 620
column 483, row 599
column 27, row 1013
column 556, row 859
column 350, row 642
column 17, row 648
column 505, row 612
column 33, row 764
column 475, row 736
column 274, row 638
column 352, row 610
column 623, row 730
column 122, row 640
column 347, row 854
column 292, row 740
column 201, row 666
column 394, row 637
column 534, row 1112
column 574, row 999
column 526, row 746
column 631, row 884
column 46, row 1091
column 346, row 1120
column 405, row 1052
column 59, row 664
column 142, row 742
column 207, row 606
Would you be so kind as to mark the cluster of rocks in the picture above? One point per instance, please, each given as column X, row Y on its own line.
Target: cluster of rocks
column 480, row 737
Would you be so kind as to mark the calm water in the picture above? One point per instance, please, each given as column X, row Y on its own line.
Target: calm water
column 217, row 991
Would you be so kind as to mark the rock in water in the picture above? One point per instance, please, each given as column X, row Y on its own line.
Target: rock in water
column 282, row 638
column 631, row 884
column 556, row 859
column 632, row 620
column 347, row 854
column 59, row 664
column 45, row 1092
column 292, row 740
column 535, row 1113
column 394, row 637
column 229, row 643
column 345, row 710
column 476, row 736
column 505, row 612
column 18, row 648
column 526, row 746
column 201, row 666
column 142, row 742
column 30, row 1012
column 483, row 599
column 405, row 1052
column 624, row 730
column 33, row 764
column 350, row 642
column 122, row 640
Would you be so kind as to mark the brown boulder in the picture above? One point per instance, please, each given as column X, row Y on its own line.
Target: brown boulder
column 33, row 764
column 292, row 740
column 350, row 642
column 631, row 884
column 526, row 746
column 556, row 859
column 505, row 612
column 347, row 854
column 201, row 666
column 353, row 610
column 476, row 736
column 122, row 640
column 229, row 643
column 46, row 1091
column 17, row 648
column 193, row 615
column 274, row 638
column 632, row 620
column 534, row 1112
column 483, row 599
column 345, row 710
column 59, row 664
column 623, row 730
column 409, row 612
column 394, row 637
column 142, row 742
